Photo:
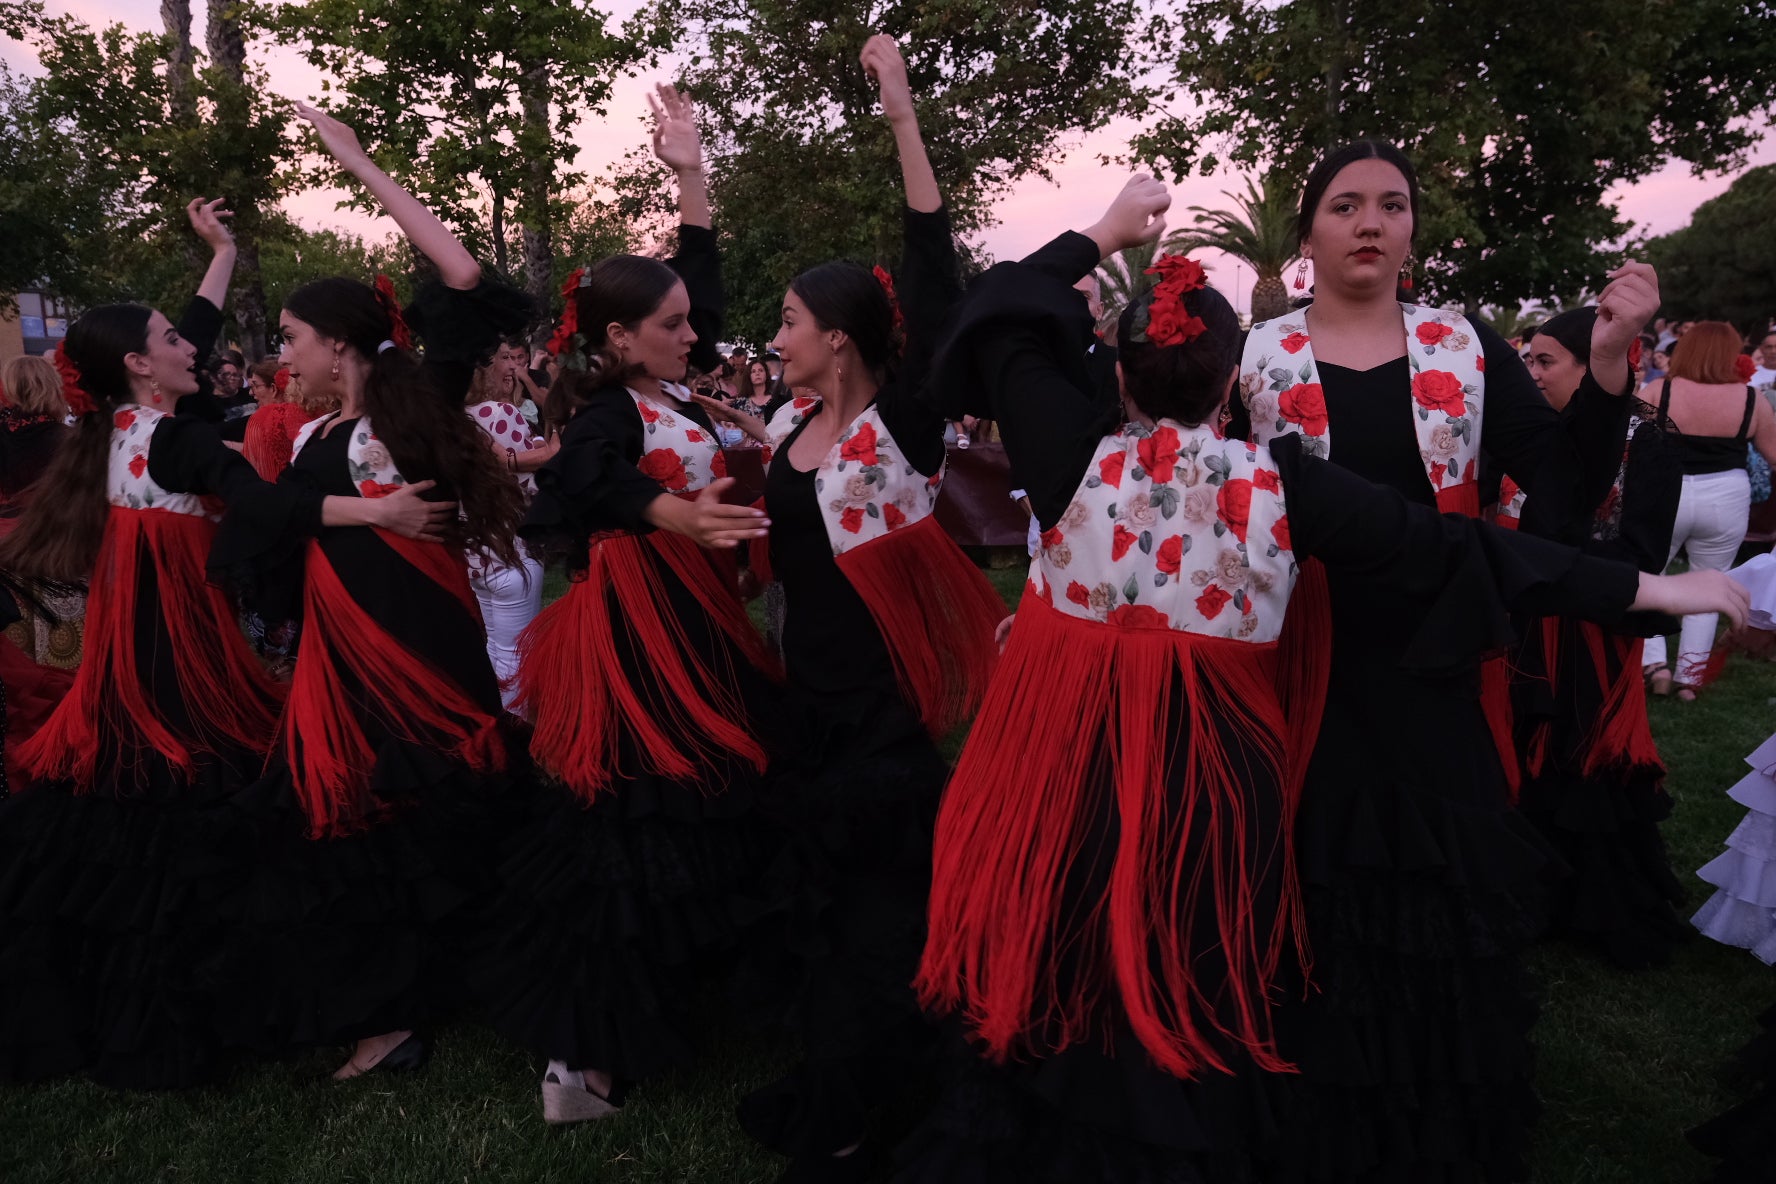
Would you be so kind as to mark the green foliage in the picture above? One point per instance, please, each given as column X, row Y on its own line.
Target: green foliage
column 1722, row 266
column 803, row 166
column 1259, row 231
column 1519, row 117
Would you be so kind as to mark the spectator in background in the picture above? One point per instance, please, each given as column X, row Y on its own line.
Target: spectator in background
column 32, row 423
column 758, row 395
column 1715, row 414
column 1765, row 356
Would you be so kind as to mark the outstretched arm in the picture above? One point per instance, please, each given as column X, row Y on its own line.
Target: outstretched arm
column 680, row 148
column 456, row 267
column 206, row 218
column 887, row 69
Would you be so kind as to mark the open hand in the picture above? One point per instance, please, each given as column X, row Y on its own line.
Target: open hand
column 676, row 140
column 708, row 520
column 1136, row 216
column 408, row 514
column 1694, row 592
column 887, row 69
column 206, row 218
column 340, row 141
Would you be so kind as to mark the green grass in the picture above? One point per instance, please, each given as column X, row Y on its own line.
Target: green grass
column 1626, row 1062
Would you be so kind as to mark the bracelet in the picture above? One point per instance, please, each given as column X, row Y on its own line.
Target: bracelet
column 511, row 460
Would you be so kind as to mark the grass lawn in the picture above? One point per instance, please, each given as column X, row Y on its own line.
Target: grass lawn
column 1626, row 1062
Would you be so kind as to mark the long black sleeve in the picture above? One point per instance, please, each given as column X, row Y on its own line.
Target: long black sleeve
column 201, row 325
column 1467, row 575
column 929, row 284
column 698, row 264
column 461, row 328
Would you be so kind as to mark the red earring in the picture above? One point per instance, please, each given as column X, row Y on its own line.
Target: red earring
column 1301, row 275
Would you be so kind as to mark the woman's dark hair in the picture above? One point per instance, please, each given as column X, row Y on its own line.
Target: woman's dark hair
column 58, row 537
column 1334, row 162
column 429, row 437
column 622, row 290
column 1572, row 329
column 846, row 296
column 1181, row 382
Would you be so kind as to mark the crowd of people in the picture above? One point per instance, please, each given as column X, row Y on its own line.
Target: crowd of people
column 1286, row 754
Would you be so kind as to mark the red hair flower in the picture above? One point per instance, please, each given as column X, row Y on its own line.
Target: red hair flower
column 79, row 402
column 391, row 304
column 570, row 314
column 1745, row 367
column 887, row 282
column 1167, row 321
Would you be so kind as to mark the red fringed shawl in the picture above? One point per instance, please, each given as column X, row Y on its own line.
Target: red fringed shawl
column 1029, row 968
column 572, row 684
column 1621, row 736
column 330, row 756
column 271, row 437
column 225, row 692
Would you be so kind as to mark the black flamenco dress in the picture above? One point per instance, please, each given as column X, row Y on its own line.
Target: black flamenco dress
column 1593, row 782
column 1064, row 1078
column 834, row 954
column 104, row 918
column 374, row 825
column 1422, row 884
column 653, row 700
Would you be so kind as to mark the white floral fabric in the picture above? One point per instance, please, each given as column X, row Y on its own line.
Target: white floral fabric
column 1174, row 527
column 128, row 484
column 677, row 453
column 372, row 468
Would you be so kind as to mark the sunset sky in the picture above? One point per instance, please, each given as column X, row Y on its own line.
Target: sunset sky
column 1029, row 215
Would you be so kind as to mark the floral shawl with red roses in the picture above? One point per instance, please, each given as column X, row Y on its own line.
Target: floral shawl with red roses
column 128, row 484
column 1279, row 384
column 677, row 453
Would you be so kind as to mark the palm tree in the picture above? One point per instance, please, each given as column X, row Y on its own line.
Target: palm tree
column 1123, row 277
column 1259, row 233
column 1510, row 322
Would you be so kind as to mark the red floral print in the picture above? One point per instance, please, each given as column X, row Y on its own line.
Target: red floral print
column 138, row 464
column 667, row 467
column 718, row 464
column 1159, row 454
column 1110, row 469
column 693, row 435
column 1266, row 479
column 648, row 414
column 371, row 488
column 1480, row 363
column 1432, row 333
column 1294, row 341
column 1138, row 616
column 1233, row 505
column 892, row 516
column 1052, row 537
column 1279, row 531
column 1212, row 601
column 1121, row 539
column 1079, row 594
column 851, row 521
column 123, row 421
column 1170, row 556
column 1439, row 390
column 861, row 447
column 1305, row 404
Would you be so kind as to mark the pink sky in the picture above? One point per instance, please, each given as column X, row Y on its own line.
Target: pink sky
column 1031, row 213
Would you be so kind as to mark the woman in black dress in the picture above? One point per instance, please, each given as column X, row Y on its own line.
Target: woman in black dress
column 370, row 828
column 1593, row 783
column 103, row 923
column 887, row 641
column 1114, row 884
column 646, row 683
column 1421, row 883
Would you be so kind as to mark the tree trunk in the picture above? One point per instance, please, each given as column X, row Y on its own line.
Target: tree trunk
column 539, row 177
column 499, row 230
column 228, row 52
column 1335, row 71
column 181, row 73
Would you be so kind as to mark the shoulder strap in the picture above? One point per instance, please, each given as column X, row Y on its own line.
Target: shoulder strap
column 1665, row 399
column 1750, row 408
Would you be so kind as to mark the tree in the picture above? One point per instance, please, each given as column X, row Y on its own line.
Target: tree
column 802, row 166
column 472, row 106
column 1722, row 266
column 1518, row 128
column 1260, row 232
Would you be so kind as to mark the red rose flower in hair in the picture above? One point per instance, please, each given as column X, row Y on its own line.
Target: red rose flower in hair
column 1439, row 390
column 570, row 314
column 1305, row 404
column 391, row 304
column 666, row 467
column 1180, row 272
column 1233, row 505
column 1745, row 367
column 1432, row 333
column 861, row 447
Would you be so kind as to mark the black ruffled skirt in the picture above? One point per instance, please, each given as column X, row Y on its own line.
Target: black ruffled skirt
column 607, row 915
column 104, row 922
column 1744, row 1138
column 837, row 928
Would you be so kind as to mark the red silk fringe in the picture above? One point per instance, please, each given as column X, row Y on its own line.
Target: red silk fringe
column 937, row 614
column 1495, row 674
column 1542, row 735
column 572, row 686
column 271, row 437
column 1027, row 966
column 227, row 696
column 33, row 692
column 330, row 757
column 1621, row 736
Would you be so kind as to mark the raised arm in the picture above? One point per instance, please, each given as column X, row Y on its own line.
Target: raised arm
column 680, row 148
column 887, row 69
column 456, row 267
column 1628, row 302
column 206, row 219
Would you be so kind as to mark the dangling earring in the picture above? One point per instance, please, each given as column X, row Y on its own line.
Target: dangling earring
column 838, row 373
column 154, row 390
column 1301, row 274
column 336, row 367
column 1406, row 272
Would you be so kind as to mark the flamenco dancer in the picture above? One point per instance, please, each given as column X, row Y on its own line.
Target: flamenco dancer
column 1421, row 884
column 369, row 828
column 1114, row 886
column 1593, row 783
column 645, row 683
column 101, row 918
column 887, row 640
